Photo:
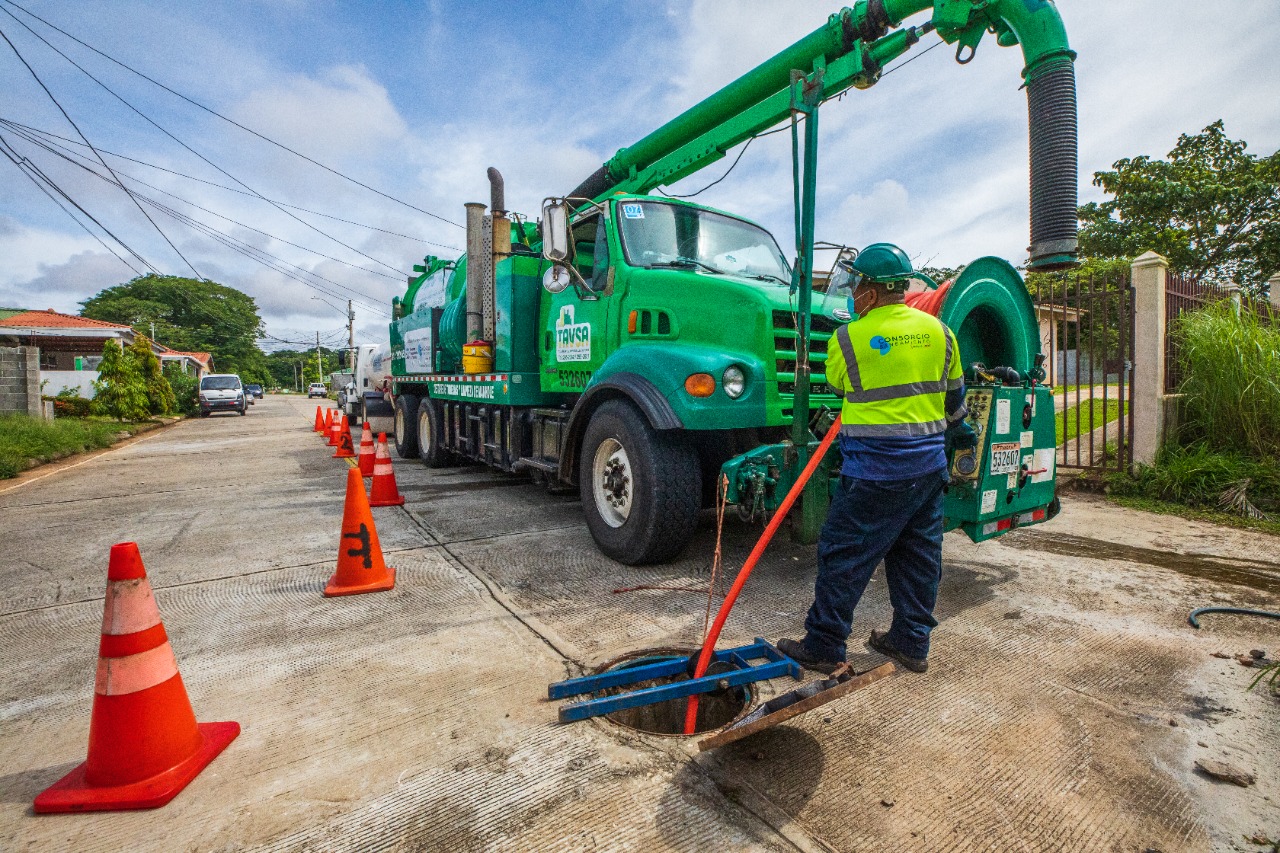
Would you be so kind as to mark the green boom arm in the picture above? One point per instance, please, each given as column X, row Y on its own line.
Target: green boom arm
column 852, row 48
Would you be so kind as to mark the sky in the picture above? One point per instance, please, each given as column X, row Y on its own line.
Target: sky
column 416, row 99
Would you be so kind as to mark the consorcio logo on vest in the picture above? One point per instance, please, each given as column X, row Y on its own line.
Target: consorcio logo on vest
column 573, row 340
column 912, row 340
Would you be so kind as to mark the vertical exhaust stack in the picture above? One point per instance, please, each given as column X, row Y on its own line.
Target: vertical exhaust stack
column 500, row 247
column 475, row 270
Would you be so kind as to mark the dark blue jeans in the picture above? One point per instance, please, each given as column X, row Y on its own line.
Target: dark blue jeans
column 898, row 521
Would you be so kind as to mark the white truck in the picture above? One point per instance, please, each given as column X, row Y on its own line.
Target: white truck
column 368, row 393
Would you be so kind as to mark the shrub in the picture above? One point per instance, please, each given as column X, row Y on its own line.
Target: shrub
column 186, row 389
column 1232, row 388
column 120, row 392
column 160, row 399
column 1200, row 476
column 68, row 404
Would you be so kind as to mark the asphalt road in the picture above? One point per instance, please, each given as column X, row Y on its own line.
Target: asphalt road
column 1066, row 703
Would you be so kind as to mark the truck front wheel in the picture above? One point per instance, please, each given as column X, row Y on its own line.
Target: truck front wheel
column 406, row 426
column 641, row 487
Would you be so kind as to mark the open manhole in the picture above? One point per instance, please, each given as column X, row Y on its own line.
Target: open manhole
column 715, row 709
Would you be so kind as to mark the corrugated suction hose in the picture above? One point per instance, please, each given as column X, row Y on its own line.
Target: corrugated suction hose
column 1051, row 102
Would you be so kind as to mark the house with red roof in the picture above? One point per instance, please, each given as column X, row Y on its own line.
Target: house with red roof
column 71, row 348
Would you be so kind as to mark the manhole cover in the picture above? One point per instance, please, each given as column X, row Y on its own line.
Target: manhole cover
column 715, row 710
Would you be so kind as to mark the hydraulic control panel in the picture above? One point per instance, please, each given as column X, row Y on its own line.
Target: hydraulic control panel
column 1007, row 480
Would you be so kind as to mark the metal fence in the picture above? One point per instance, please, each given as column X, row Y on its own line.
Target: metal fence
column 1086, row 334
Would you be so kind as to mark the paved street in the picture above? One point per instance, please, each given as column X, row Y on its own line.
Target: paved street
column 1065, row 706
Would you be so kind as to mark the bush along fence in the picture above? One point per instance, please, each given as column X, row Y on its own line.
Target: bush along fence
column 1207, row 437
column 1161, row 299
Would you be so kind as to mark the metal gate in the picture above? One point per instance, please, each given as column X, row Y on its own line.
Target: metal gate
column 1086, row 334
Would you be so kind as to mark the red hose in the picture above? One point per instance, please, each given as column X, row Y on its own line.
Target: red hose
column 709, row 645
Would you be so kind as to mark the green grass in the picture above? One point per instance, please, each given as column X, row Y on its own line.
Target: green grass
column 25, row 439
column 1232, row 387
column 1200, row 482
column 1093, row 414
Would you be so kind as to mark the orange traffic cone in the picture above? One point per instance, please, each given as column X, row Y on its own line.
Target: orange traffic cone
column 365, row 456
column 360, row 564
column 319, row 427
column 338, row 428
column 344, row 448
column 328, row 424
column 383, row 491
column 145, row 745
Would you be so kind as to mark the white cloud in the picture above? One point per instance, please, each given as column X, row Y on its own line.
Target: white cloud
column 933, row 157
column 62, row 286
column 341, row 114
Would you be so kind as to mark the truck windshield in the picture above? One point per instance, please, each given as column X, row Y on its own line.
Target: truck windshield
column 656, row 235
column 219, row 383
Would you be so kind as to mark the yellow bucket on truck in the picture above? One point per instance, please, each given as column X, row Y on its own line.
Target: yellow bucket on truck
column 477, row 357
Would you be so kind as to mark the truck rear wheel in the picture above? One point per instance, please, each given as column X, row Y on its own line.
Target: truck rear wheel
column 640, row 487
column 431, row 449
column 406, row 426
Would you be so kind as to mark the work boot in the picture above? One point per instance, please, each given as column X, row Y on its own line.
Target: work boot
column 879, row 642
column 796, row 650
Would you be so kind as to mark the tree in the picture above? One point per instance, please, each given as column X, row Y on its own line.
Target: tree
column 191, row 315
column 1212, row 209
column 281, row 365
column 119, row 390
column 160, row 399
column 940, row 275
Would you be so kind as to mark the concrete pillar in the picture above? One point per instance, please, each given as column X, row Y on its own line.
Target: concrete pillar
column 1232, row 291
column 1149, row 275
column 20, row 381
column 1274, row 282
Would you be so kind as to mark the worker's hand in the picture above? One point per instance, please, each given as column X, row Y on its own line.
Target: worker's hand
column 962, row 436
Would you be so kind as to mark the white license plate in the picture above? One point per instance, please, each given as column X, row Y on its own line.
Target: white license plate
column 1006, row 458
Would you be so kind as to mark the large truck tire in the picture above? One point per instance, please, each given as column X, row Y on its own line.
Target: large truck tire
column 407, row 426
column 431, row 449
column 641, row 488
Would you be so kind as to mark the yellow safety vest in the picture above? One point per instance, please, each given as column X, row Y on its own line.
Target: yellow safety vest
column 894, row 367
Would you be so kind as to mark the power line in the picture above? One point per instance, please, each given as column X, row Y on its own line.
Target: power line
column 18, row 161
column 160, row 128
column 42, row 180
column 230, row 242
column 229, row 120
column 65, row 115
column 58, row 153
column 47, row 134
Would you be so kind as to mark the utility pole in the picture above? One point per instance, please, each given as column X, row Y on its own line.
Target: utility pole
column 319, row 366
column 351, row 327
column 296, row 385
column 153, row 331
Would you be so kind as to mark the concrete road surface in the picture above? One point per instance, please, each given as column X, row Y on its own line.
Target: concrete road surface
column 1066, row 704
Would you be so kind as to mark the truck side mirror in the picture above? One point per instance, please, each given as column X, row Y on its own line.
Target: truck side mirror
column 557, row 247
column 342, row 358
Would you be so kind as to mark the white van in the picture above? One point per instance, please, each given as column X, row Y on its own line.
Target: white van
column 222, row 392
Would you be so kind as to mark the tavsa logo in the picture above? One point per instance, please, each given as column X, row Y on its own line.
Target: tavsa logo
column 573, row 340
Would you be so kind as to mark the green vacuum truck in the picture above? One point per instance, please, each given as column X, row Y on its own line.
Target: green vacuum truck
column 650, row 352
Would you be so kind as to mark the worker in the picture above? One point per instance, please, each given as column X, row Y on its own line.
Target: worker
column 900, row 375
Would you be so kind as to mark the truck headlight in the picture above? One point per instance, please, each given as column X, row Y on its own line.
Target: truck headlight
column 734, row 381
